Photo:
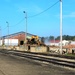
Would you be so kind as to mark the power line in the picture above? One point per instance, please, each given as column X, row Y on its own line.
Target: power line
column 33, row 15
column 4, row 28
column 18, row 23
column 14, row 25
column 44, row 10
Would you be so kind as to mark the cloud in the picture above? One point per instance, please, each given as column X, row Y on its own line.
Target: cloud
column 71, row 15
column 36, row 9
column 30, row 8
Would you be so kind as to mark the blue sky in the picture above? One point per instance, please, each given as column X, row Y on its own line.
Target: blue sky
column 45, row 24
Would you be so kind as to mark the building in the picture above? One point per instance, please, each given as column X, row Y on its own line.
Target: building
column 64, row 42
column 54, row 42
column 57, row 42
column 20, row 36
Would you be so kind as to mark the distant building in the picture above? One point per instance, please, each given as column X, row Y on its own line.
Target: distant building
column 54, row 42
column 57, row 42
column 20, row 36
column 72, row 42
column 64, row 42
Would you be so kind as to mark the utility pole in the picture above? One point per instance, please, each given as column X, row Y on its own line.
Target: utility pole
column 25, row 28
column 0, row 36
column 8, row 31
column 60, row 26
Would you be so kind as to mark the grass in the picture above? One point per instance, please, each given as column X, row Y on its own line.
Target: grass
column 69, row 54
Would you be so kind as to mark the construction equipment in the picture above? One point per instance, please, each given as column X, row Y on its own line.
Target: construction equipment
column 35, row 41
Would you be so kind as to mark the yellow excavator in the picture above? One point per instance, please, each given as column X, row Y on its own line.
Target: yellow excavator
column 35, row 41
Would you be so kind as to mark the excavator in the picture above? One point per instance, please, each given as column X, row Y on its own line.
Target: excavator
column 35, row 41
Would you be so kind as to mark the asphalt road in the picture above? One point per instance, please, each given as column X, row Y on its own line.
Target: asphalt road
column 14, row 65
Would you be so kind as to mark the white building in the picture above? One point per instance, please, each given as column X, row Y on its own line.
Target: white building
column 54, row 42
column 57, row 42
column 64, row 43
column 72, row 43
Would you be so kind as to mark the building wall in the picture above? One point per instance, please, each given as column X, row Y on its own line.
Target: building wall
column 19, row 37
column 54, row 44
column 11, row 42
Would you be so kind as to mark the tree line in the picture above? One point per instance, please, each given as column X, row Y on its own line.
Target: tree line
column 64, row 37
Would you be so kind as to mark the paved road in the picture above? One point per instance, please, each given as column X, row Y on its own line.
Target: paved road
column 13, row 65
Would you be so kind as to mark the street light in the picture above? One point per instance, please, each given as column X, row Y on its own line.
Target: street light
column 8, row 31
column 60, row 26
column 25, row 27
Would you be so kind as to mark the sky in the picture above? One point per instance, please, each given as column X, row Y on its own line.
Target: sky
column 41, row 24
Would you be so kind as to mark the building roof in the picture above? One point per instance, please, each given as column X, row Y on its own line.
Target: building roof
column 54, row 41
column 14, row 34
